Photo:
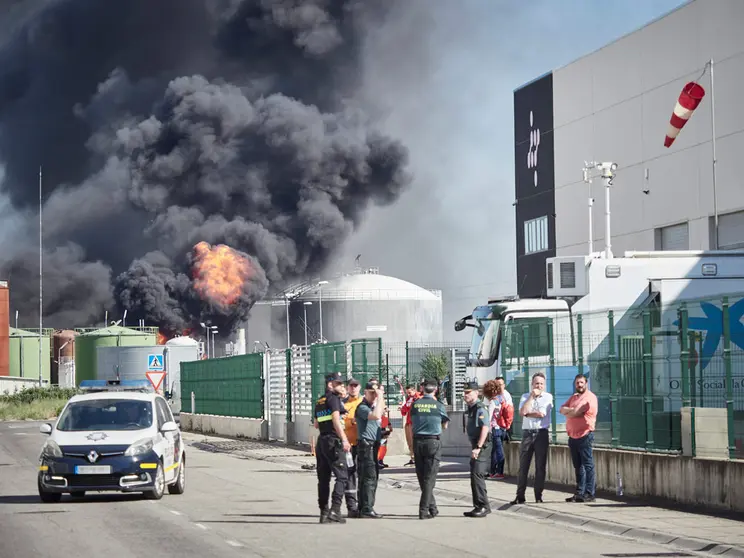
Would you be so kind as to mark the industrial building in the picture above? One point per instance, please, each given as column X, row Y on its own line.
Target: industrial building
column 356, row 305
column 615, row 105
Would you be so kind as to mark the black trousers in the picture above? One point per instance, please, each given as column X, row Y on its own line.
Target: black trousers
column 368, row 473
column 478, row 473
column 330, row 460
column 534, row 442
column 427, row 454
column 351, row 482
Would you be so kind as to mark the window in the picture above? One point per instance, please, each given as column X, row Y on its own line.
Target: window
column 536, row 235
column 730, row 231
column 535, row 334
column 673, row 237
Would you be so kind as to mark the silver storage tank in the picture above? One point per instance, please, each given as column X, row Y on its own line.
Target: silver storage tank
column 366, row 304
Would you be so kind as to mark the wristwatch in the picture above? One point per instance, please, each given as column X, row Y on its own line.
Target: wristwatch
column 479, row 447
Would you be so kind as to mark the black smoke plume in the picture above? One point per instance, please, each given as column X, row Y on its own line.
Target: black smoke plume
column 163, row 123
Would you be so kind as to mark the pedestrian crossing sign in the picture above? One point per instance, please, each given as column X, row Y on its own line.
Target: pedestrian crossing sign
column 155, row 363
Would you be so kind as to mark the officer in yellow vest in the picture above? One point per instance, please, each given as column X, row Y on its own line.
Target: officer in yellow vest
column 351, row 402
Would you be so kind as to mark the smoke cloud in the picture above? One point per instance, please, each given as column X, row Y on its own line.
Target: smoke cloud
column 160, row 125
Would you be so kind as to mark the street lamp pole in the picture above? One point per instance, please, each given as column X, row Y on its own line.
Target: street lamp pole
column 306, row 305
column 320, row 307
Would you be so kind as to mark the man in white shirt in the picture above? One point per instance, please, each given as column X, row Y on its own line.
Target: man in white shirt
column 535, row 408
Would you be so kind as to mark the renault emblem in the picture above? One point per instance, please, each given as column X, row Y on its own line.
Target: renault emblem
column 93, row 456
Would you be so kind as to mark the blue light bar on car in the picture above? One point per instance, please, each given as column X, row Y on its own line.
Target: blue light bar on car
column 116, row 385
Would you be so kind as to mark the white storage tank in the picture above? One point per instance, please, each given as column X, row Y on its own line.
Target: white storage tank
column 133, row 363
column 365, row 304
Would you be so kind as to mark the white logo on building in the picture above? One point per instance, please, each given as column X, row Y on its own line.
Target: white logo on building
column 534, row 144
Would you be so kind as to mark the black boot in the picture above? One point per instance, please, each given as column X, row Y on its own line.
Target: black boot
column 324, row 515
column 335, row 515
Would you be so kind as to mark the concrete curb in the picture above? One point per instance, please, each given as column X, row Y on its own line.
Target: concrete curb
column 593, row 525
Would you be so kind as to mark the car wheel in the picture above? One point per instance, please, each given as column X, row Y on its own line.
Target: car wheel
column 179, row 486
column 159, row 489
column 48, row 497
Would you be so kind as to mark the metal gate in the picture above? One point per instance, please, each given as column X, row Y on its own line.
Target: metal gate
column 302, row 393
column 276, row 364
column 459, row 369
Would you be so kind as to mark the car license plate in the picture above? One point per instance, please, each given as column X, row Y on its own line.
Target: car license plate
column 93, row 469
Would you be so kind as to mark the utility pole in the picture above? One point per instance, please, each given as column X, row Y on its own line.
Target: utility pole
column 41, row 275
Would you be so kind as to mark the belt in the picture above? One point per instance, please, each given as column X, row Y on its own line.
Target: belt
column 534, row 430
column 331, row 433
column 426, row 437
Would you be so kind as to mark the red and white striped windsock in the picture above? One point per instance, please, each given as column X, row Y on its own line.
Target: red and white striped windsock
column 688, row 101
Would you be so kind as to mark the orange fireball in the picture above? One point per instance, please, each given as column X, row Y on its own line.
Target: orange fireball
column 219, row 273
column 162, row 338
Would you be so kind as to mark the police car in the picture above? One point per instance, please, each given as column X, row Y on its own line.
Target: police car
column 116, row 436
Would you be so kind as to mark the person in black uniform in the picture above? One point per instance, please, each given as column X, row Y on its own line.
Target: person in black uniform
column 428, row 417
column 330, row 454
column 369, row 418
column 478, row 428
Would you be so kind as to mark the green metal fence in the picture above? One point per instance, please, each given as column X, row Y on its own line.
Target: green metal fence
column 230, row 386
column 648, row 368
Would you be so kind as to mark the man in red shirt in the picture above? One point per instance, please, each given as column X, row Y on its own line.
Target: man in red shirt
column 405, row 410
column 581, row 417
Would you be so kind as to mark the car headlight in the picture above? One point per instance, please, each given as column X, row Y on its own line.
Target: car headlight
column 50, row 450
column 139, row 447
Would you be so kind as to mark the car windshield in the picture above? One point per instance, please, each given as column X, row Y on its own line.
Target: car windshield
column 484, row 345
column 106, row 414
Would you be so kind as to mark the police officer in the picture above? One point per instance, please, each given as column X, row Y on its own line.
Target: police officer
column 478, row 428
column 428, row 417
column 330, row 454
column 369, row 415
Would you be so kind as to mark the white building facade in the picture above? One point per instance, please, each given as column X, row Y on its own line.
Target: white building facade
column 615, row 105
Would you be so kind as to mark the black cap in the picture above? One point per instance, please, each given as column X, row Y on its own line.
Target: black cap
column 353, row 382
column 470, row 385
column 335, row 377
column 372, row 384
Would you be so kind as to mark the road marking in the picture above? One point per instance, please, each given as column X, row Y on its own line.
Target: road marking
column 233, row 543
column 201, row 526
column 174, row 512
column 20, row 433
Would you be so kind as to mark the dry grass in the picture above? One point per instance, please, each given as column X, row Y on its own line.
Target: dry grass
column 41, row 409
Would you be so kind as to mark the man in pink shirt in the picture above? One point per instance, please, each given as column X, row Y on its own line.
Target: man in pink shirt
column 581, row 417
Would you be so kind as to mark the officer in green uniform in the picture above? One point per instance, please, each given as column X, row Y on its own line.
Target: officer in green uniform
column 368, row 416
column 330, row 456
column 479, row 434
column 428, row 417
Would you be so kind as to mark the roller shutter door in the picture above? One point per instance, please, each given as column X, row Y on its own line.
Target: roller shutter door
column 675, row 237
column 731, row 231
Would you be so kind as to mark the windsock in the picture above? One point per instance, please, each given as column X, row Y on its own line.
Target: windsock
column 688, row 101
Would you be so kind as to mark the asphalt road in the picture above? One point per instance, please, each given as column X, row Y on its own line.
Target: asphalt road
column 248, row 508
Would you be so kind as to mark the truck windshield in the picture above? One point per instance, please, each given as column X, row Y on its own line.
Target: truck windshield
column 485, row 344
column 106, row 414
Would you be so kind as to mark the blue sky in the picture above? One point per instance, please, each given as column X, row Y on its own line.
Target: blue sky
column 446, row 71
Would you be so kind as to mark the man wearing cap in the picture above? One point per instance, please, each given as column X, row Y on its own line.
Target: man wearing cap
column 428, row 418
column 478, row 428
column 369, row 415
column 351, row 402
column 330, row 455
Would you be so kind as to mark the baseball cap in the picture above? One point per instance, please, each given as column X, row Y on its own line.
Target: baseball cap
column 471, row 385
column 372, row 385
column 334, row 377
column 353, row 382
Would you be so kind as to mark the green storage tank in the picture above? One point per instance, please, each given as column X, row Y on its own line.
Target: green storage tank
column 24, row 353
column 88, row 341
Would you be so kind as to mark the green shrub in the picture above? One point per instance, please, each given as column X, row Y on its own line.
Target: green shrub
column 29, row 395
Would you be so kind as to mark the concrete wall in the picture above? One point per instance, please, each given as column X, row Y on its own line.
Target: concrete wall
column 12, row 385
column 233, row 427
column 615, row 104
column 713, row 483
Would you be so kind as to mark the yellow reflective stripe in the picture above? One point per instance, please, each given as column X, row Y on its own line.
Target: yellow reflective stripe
column 325, row 418
column 148, row 465
column 43, row 468
column 171, row 467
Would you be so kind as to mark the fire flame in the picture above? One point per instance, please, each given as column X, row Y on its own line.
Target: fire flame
column 219, row 273
column 162, row 338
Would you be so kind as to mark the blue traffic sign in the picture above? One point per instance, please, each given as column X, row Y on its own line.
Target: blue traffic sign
column 155, row 363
